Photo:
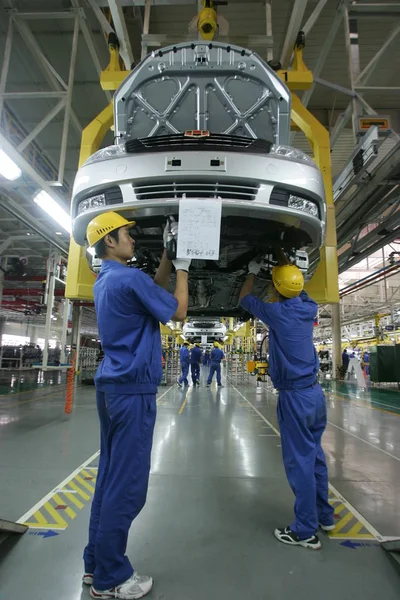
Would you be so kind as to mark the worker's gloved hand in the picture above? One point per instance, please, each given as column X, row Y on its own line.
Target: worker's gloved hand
column 254, row 267
column 182, row 264
column 173, row 226
column 170, row 237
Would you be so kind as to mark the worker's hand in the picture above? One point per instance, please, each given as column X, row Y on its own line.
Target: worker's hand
column 254, row 267
column 170, row 230
column 182, row 264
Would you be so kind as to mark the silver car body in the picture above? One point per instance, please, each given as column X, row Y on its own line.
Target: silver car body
column 197, row 329
column 194, row 86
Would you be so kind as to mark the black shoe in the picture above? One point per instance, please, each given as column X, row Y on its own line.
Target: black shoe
column 178, row 384
column 208, row 384
column 287, row 536
column 220, row 385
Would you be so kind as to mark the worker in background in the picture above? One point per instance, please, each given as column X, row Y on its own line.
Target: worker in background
column 206, row 358
column 195, row 360
column 215, row 365
column 366, row 362
column 293, row 367
column 185, row 361
column 345, row 359
column 129, row 307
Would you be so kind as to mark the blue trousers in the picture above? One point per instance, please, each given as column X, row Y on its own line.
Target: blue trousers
column 126, row 428
column 184, row 375
column 195, row 368
column 302, row 421
column 214, row 368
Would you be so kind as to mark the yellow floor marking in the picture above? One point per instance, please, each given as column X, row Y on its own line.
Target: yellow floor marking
column 83, row 494
column 40, row 518
column 55, row 514
column 92, row 475
column 46, row 526
column 339, row 508
column 343, row 522
column 71, row 498
column 84, row 483
column 68, row 511
column 354, row 531
column 182, row 408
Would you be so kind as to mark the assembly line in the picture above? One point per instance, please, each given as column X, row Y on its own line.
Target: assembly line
column 199, row 300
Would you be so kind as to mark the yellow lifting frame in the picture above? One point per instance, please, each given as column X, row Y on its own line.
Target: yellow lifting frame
column 323, row 287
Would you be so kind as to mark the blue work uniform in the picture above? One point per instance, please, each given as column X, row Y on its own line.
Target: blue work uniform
column 345, row 360
column 185, row 361
column 293, row 367
column 129, row 307
column 195, row 359
column 206, row 359
column 215, row 365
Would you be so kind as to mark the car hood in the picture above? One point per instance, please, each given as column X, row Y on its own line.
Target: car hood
column 196, row 86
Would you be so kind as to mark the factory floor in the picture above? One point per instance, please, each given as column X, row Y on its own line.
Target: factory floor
column 217, row 491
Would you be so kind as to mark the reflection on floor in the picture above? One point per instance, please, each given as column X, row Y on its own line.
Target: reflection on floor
column 217, row 491
column 16, row 382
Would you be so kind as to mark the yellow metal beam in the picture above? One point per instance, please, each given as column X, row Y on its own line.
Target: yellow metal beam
column 299, row 77
column 80, row 279
column 324, row 285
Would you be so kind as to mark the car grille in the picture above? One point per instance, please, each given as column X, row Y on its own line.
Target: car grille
column 233, row 190
column 213, row 142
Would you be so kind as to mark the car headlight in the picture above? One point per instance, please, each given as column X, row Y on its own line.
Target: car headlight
column 303, row 204
column 93, row 202
column 293, row 154
column 108, row 153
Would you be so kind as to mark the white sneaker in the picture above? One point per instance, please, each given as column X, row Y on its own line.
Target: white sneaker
column 87, row 578
column 135, row 587
column 328, row 527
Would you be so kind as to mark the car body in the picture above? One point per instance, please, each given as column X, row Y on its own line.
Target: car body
column 200, row 120
column 204, row 332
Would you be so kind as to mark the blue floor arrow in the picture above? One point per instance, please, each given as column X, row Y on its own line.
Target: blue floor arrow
column 46, row 534
column 350, row 544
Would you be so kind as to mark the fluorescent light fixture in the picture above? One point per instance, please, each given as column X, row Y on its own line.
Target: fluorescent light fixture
column 53, row 209
column 8, row 168
column 58, row 232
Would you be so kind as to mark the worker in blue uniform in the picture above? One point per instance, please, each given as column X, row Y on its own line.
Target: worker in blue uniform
column 129, row 307
column 215, row 365
column 184, row 357
column 293, row 367
column 195, row 360
column 206, row 358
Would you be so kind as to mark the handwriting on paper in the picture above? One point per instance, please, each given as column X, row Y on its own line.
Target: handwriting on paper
column 199, row 228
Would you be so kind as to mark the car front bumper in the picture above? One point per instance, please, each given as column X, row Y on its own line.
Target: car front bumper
column 146, row 185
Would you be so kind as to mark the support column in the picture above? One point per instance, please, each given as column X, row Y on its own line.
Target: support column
column 336, row 340
column 64, row 328
column 76, row 332
column 52, row 261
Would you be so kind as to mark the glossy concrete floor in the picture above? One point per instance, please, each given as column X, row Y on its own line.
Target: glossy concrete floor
column 217, row 491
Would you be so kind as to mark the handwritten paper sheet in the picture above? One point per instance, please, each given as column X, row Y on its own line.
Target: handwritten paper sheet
column 199, row 228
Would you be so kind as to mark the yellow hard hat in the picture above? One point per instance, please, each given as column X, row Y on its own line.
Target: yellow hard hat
column 103, row 224
column 288, row 280
column 216, row 345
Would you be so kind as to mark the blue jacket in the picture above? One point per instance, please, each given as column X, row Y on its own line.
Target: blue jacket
column 293, row 361
column 195, row 355
column 216, row 356
column 184, row 355
column 129, row 308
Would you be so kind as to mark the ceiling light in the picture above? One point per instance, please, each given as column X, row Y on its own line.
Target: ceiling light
column 58, row 232
column 53, row 209
column 8, row 168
